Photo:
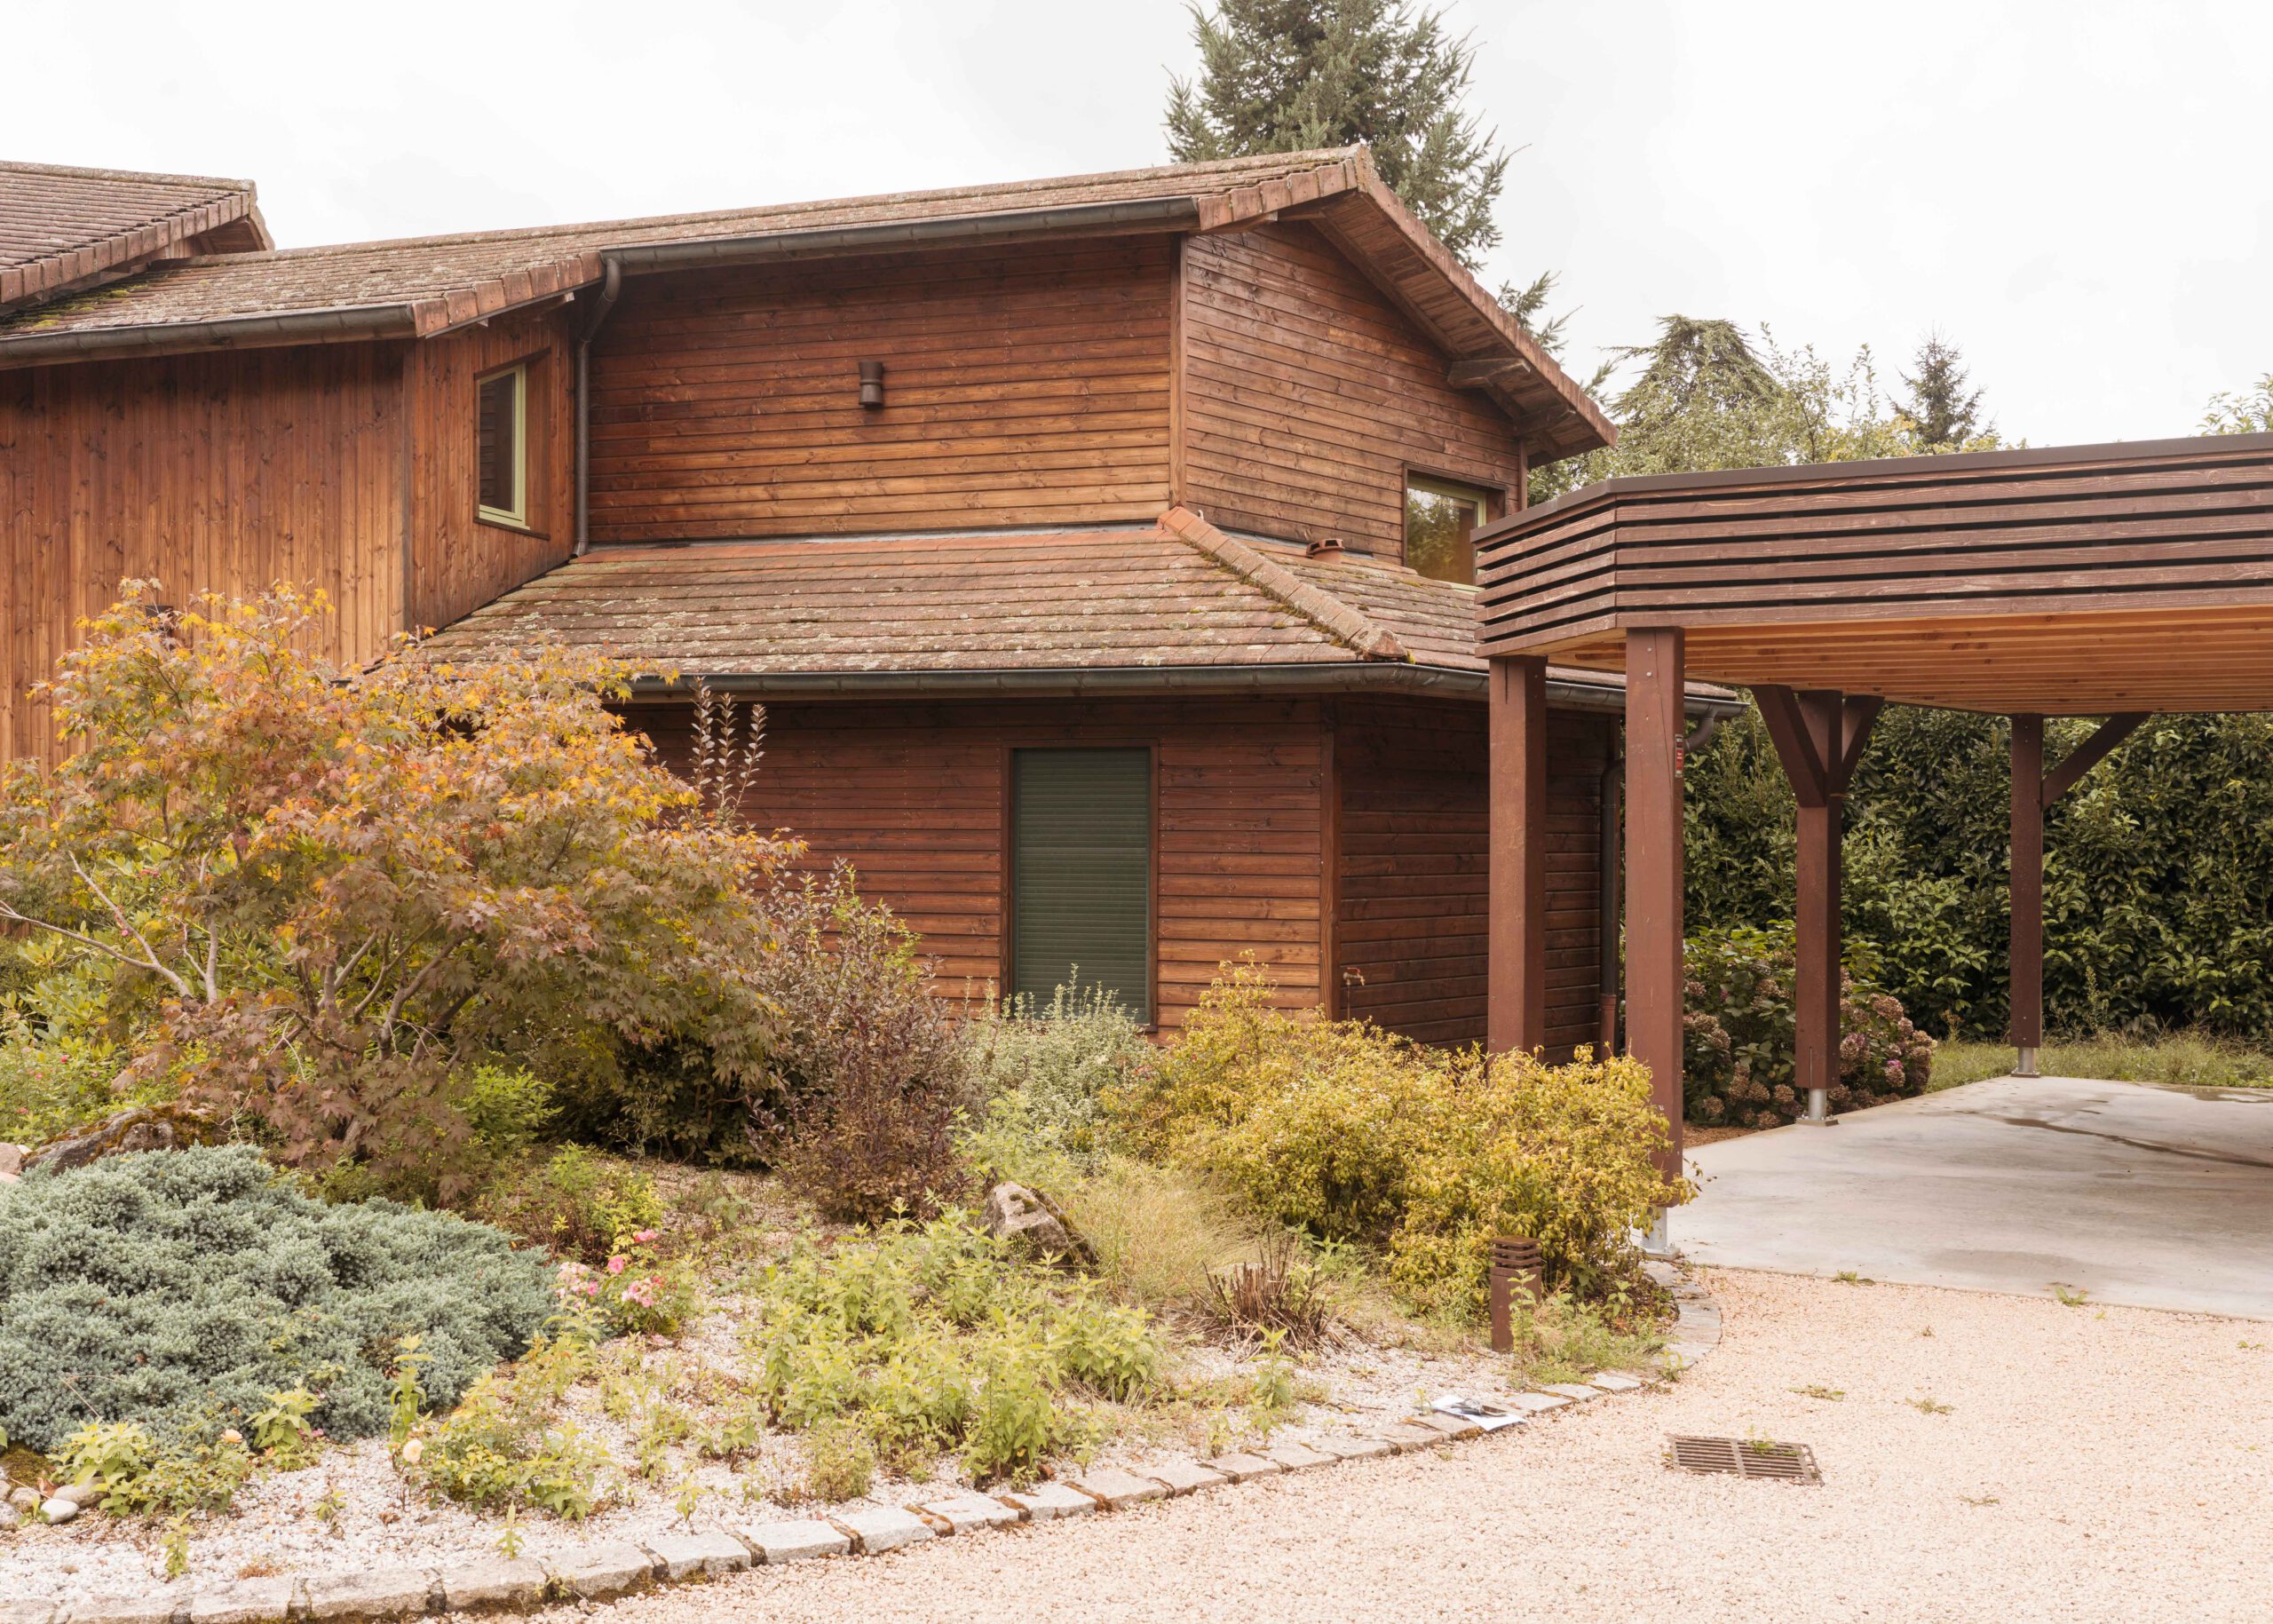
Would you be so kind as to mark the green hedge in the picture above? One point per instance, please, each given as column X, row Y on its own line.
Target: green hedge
column 179, row 1287
column 2158, row 873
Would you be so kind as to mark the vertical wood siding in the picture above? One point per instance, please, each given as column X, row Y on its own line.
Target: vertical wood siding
column 1410, row 906
column 1022, row 387
column 219, row 472
column 912, row 794
column 1307, row 395
column 458, row 563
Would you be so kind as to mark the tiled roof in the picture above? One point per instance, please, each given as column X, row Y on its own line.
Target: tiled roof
column 1176, row 597
column 419, row 286
column 428, row 272
column 59, row 226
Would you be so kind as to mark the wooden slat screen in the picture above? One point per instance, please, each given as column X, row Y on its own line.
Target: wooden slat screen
column 1080, row 872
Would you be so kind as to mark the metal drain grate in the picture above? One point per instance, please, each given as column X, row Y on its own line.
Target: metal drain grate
column 1787, row 1462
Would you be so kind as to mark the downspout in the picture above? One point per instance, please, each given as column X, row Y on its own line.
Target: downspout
column 610, row 284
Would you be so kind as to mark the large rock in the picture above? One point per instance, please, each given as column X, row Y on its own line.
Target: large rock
column 11, row 1162
column 138, row 1128
column 1032, row 1221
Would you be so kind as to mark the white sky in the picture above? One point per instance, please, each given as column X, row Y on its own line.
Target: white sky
column 2076, row 192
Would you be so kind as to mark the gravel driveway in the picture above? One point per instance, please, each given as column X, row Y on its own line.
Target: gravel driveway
column 2094, row 1464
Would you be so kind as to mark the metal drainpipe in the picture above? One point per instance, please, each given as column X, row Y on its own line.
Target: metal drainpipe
column 610, row 284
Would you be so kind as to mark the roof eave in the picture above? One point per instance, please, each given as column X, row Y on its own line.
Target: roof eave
column 346, row 324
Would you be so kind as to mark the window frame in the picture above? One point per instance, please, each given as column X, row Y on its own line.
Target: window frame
column 1007, row 925
column 1493, row 498
column 520, row 516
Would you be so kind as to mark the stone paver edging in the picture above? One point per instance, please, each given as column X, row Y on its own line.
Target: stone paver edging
column 593, row 1573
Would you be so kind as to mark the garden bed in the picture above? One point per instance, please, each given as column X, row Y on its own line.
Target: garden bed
column 354, row 1508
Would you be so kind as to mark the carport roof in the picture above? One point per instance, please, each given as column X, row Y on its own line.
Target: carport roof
column 2062, row 581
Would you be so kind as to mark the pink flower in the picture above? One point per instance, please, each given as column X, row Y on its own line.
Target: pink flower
column 591, row 1289
column 615, row 1265
column 644, row 1236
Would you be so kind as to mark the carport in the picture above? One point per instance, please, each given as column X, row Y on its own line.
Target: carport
column 2111, row 582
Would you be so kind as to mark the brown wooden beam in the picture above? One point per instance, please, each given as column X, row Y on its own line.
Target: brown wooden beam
column 2026, row 1030
column 2089, row 755
column 1479, row 374
column 1655, row 727
column 1516, row 969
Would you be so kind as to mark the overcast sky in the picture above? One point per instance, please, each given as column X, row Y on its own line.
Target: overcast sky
column 2077, row 193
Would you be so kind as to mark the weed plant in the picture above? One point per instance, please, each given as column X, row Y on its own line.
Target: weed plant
column 930, row 1338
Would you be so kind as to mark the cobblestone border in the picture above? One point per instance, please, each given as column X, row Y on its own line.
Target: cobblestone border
column 594, row 1572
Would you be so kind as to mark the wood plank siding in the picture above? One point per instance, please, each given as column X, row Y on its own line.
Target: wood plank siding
column 459, row 562
column 1307, row 396
column 913, row 794
column 1021, row 387
column 1410, row 909
column 2077, row 580
column 224, row 472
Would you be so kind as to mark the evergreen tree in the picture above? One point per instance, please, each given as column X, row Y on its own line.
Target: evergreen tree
column 1943, row 414
column 1285, row 76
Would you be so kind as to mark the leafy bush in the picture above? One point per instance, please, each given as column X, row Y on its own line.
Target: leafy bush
column 933, row 1337
column 859, row 1109
column 315, row 902
column 503, row 1447
column 637, row 1291
column 2159, row 869
column 1353, row 1133
column 136, row 1473
column 177, row 1290
column 1739, row 1036
column 573, row 1203
column 1042, row 1072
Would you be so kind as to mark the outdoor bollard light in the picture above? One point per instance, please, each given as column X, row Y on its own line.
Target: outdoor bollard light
column 1513, row 1258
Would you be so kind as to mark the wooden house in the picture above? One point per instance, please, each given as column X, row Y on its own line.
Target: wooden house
column 1099, row 547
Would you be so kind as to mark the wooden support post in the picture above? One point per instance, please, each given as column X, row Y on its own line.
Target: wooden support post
column 2026, row 1033
column 1610, row 899
column 1516, row 941
column 1819, row 737
column 1655, row 727
column 1816, row 920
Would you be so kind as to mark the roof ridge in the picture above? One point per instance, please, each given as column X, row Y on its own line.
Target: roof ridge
column 1329, row 614
column 1310, row 158
column 14, row 166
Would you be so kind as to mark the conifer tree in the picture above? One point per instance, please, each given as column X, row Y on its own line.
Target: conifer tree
column 1287, row 76
column 1945, row 415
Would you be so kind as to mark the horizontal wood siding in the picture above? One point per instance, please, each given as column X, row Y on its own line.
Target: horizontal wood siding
column 912, row 794
column 1022, row 386
column 2186, row 522
column 1410, row 918
column 1307, row 395
column 458, row 562
column 213, row 472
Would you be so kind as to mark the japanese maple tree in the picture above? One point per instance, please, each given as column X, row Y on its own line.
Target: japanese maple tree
column 316, row 897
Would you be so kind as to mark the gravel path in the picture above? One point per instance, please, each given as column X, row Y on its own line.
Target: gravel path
column 2094, row 1464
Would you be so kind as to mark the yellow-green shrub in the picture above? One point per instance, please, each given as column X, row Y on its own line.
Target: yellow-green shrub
column 1355, row 1133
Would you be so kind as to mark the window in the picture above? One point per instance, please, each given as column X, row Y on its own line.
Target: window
column 502, row 447
column 1441, row 520
column 1081, row 874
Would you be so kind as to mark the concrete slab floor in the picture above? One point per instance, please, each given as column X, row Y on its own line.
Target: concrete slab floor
column 2153, row 1197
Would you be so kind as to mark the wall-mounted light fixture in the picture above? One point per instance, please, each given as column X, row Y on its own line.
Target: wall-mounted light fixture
column 872, row 384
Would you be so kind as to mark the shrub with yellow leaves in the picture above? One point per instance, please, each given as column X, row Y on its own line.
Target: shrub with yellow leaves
column 1354, row 1133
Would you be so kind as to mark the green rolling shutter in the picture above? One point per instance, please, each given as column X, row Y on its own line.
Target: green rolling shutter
column 1081, row 873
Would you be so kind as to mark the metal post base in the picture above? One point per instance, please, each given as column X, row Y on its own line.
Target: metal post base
column 1657, row 1240
column 2025, row 1066
column 1818, row 1109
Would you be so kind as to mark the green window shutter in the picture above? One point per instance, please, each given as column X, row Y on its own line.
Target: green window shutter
column 1081, row 873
